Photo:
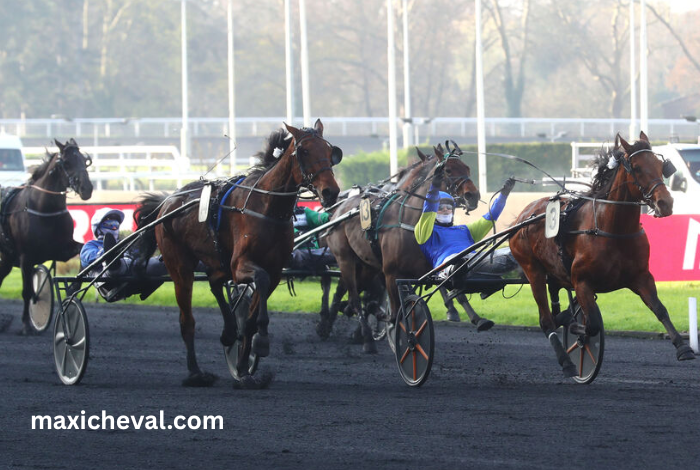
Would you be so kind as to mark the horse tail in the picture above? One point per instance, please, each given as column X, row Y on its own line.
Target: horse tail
column 146, row 212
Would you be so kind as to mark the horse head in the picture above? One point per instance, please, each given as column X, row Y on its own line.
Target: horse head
column 73, row 165
column 457, row 176
column 315, row 157
column 644, row 173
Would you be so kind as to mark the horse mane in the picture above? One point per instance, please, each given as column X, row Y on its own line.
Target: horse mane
column 603, row 176
column 266, row 157
column 405, row 173
column 40, row 170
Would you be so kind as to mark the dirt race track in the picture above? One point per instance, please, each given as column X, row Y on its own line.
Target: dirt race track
column 495, row 400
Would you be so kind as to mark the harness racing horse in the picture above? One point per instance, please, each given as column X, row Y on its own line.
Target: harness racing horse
column 601, row 246
column 35, row 224
column 250, row 242
column 392, row 248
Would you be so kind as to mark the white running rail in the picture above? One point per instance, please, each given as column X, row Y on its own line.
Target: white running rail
column 128, row 164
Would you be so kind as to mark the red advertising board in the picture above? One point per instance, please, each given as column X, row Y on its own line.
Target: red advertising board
column 675, row 240
column 82, row 214
column 674, row 247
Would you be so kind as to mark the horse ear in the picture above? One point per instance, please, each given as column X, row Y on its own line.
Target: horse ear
column 318, row 125
column 73, row 142
column 624, row 143
column 439, row 152
column 643, row 136
column 59, row 144
column 421, row 155
column 292, row 130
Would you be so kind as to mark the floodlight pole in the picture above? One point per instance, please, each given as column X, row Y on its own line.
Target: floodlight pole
column 643, row 77
column 406, row 81
column 306, row 101
column 231, row 93
column 391, row 58
column 633, row 77
column 289, row 66
column 184, row 134
column 480, row 126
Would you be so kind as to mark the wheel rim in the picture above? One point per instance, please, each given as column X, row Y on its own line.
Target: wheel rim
column 71, row 342
column 231, row 353
column 41, row 304
column 415, row 341
column 586, row 352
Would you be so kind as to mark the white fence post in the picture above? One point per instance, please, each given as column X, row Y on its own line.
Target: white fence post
column 693, row 323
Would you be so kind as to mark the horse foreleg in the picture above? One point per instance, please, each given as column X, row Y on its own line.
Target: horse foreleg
column 323, row 328
column 27, row 293
column 246, row 273
column 538, row 285
column 350, row 277
column 482, row 324
column 229, row 333
column 646, row 289
column 69, row 251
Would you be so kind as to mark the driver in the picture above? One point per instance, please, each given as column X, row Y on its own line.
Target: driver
column 441, row 241
column 105, row 227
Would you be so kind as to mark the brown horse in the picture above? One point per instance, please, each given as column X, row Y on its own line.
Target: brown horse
column 603, row 246
column 35, row 224
column 250, row 243
column 396, row 253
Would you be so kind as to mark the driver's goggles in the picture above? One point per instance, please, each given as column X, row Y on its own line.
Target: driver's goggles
column 110, row 224
column 446, row 207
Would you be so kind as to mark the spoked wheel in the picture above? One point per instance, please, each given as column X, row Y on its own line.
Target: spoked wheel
column 41, row 303
column 71, row 342
column 586, row 352
column 415, row 341
column 241, row 297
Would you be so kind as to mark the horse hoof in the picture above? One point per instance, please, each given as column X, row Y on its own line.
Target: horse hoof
column 200, row 379
column 569, row 370
column 369, row 348
column 356, row 336
column 26, row 331
column 323, row 329
column 261, row 345
column 227, row 340
column 452, row 315
column 685, row 353
column 484, row 325
column 254, row 382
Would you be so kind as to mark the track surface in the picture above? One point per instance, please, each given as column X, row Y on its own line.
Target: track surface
column 495, row 400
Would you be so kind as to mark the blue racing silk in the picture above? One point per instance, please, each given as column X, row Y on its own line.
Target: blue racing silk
column 91, row 251
column 438, row 242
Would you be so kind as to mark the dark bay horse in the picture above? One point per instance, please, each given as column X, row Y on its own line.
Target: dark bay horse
column 35, row 224
column 396, row 253
column 251, row 241
column 604, row 247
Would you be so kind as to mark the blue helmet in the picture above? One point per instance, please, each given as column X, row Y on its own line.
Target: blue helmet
column 446, row 198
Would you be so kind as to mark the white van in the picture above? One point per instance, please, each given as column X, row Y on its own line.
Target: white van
column 685, row 183
column 12, row 165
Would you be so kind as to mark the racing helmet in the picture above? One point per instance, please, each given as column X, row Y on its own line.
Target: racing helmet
column 102, row 214
column 445, row 198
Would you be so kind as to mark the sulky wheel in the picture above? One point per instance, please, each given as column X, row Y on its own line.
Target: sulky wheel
column 586, row 352
column 231, row 353
column 71, row 342
column 41, row 303
column 414, row 341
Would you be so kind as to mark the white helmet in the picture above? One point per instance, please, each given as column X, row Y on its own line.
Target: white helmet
column 102, row 214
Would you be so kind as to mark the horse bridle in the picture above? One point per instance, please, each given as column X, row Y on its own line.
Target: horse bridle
column 667, row 170
column 306, row 177
column 73, row 180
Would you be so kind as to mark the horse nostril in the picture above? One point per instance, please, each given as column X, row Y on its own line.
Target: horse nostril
column 326, row 194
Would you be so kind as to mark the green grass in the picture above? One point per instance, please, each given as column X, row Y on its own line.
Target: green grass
column 622, row 310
